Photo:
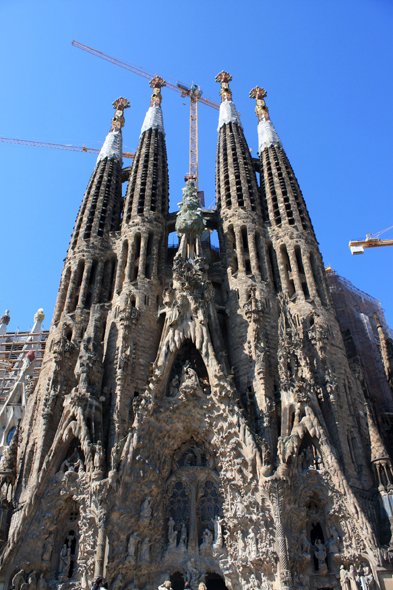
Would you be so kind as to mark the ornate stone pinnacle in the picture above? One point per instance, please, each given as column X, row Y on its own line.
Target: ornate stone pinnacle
column 261, row 109
column 156, row 83
column 118, row 120
column 223, row 78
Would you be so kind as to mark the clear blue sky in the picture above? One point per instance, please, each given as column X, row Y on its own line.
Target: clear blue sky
column 327, row 68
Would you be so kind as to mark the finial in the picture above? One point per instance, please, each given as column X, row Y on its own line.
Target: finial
column 5, row 318
column 39, row 316
column 156, row 83
column 118, row 120
column 223, row 78
column 261, row 109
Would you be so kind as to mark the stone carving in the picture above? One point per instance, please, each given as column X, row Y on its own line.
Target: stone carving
column 41, row 584
column 207, row 541
column 165, row 586
column 18, row 580
column 65, row 560
column 172, row 534
column 131, row 547
column 192, row 573
column 145, row 550
column 320, row 554
column 304, row 543
column 366, row 578
column 252, row 545
column 48, row 548
column 145, row 513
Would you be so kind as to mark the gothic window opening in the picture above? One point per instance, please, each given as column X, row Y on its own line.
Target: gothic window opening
column 10, row 435
column 209, row 508
column 288, row 270
column 189, row 352
column 68, row 553
column 318, row 280
column 91, row 284
column 108, row 282
column 232, row 249
column 122, row 266
column 177, row 581
column 149, row 256
column 274, row 267
column 137, row 252
column 215, row 582
column 77, row 285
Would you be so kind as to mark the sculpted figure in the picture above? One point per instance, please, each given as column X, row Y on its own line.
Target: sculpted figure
column 240, row 544
column 253, row 584
column 65, row 560
column 344, row 579
column 145, row 550
column 192, row 574
column 218, row 541
column 252, row 545
column 352, row 578
column 48, row 548
column 118, row 583
column 41, row 584
column 265, row 583
column 31, row 581
column 165, row 586
column 183, row 536
column 202, row 586
column 172, row 534
column 131, row 547
column 145, row 513
column 305, row 544
column 334, row 542
column 18, row 580
column 368, row 578
column 174, row 386
column 320, row 554
column 207, row 540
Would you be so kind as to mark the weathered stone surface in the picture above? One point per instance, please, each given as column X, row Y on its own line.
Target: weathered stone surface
column 197, row 422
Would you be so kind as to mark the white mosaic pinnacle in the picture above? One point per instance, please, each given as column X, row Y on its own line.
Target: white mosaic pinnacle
column 153, row 119
column 267, row 135
column 228, row 114
column 113, row 147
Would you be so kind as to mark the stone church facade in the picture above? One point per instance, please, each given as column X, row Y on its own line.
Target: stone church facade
column 197, row 419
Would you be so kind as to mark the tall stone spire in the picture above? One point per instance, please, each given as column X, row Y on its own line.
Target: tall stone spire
column 82, row 281
column 147, row 190
column 100, row 208
column 235, row 178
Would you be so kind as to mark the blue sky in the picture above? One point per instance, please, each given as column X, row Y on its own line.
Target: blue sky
column 327, row 68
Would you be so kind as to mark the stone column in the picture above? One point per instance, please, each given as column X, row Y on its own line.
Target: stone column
column 98, row 282
column 253, row 255
column 154, row 257
column 130, row 260
column 193, row 532
column 85, row 284
column 72, row 290
column 310, row 279
column 283, row 272
column 142, row 255
column 295, row 272
column 239, row 249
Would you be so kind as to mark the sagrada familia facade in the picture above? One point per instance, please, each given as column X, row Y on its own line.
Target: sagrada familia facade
column 198, row 421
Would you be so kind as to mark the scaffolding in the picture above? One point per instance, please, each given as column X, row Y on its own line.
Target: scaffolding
column 14, row 346
column 355, row 310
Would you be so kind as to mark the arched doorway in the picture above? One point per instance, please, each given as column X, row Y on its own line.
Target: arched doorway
column 215, row 582
column 177, row 581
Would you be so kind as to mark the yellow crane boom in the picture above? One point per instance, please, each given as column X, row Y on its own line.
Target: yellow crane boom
column 371, row 241
column 193, row 91
column 59, row 146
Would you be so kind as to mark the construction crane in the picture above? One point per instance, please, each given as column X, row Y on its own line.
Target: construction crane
column 194, row 92
column 371, row 241
column 59, row 146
